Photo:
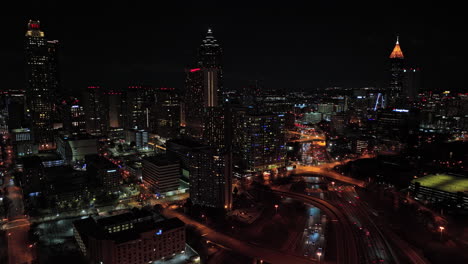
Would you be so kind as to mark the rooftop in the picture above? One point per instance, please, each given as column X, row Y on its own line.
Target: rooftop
column 99, row 162
column 20, row 130
column 161, row 160
column 444, row 182
column 145, row 221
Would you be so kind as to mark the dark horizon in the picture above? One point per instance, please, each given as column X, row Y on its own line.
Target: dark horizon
column 284, row 47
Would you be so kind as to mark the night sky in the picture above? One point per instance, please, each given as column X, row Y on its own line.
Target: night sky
column 294, row 45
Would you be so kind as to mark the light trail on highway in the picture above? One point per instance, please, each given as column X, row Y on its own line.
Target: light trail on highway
column 347, row 250
column 374, row 244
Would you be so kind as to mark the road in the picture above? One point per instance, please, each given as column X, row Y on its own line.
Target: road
column 347, row 250
column 19, row 249
column 326, row 172
column 373, row 243
column 244, row 248
column 307, row 137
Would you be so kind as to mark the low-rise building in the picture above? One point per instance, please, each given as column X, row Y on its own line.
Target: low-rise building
column 107, row 173
column 74, row 149
column 135, row 237
column 161, row 173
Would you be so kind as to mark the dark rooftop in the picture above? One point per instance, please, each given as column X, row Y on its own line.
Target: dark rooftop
column 161, row 160
column 80, row 137
column 186, row 142
column 31, row 162
column 49, row 156
column 95, row 228
column 99, row 162
column 63, row 179
column 169, row 224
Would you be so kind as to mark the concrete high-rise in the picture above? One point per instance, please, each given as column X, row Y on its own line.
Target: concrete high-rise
column 138, row 100
column 96, row 105
column 116, row 104
column 211, row 178
column 161, row 173
column 412, row 82
column 259, row 141
column 165, row 113
column 210, row 172
column 42, row 83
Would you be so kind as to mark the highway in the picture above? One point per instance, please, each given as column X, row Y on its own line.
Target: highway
column 325, row 171
column 244, row 248
column 373, row 244
column 308, row 137
column 347, row 250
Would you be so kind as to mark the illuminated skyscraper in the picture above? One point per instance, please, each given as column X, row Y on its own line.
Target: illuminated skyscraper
column 259, row 140
column 396, row 72
column 203, row 85
column 42, row 82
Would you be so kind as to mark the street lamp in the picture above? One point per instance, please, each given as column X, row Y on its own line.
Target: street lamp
column 441, row 228
column 276, row 208
column 319, row 254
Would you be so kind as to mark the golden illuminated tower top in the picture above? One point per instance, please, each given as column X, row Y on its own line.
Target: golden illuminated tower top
column 34, row 29
column 397, row 53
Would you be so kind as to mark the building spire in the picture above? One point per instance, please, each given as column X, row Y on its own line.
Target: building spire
column 397, row 53
column 397, row 39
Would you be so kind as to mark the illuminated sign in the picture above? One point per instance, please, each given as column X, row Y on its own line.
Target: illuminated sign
column 75, row 106
column 401, row 110
column 111, row 170
column 194, row 70
column 159, row 232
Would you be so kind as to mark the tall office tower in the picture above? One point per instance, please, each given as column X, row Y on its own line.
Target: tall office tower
column 77, row 120
column 396, row 73
column 42, row 82
column 16, row 105
column 209, row 173
column 214, row 133
column 211, row 178
column 116, row 102
column 72, row 116
column 138, row 100
column 96, row 105
column 412, row 82
column 260, row 141
column 165, row 113
column 203, row 85
column 3, row 112
column 54, row 80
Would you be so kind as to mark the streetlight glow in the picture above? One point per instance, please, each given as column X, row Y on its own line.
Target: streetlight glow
column 441, row 228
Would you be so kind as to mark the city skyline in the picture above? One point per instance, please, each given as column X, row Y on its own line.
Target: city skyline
column 259, row 133
column 290, row 49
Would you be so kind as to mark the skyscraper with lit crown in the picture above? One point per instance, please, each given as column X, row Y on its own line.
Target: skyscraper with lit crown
column 395, row 88
column 203, row 85
column 42, row 83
